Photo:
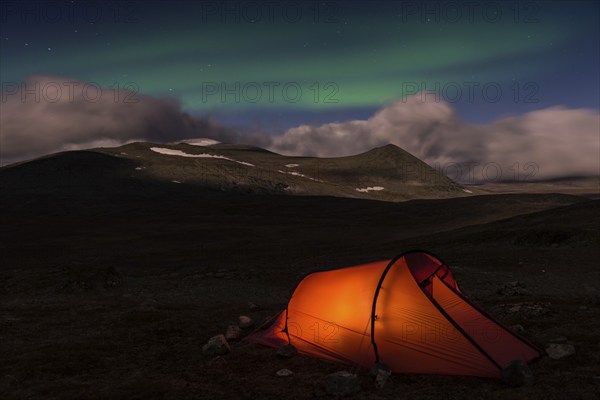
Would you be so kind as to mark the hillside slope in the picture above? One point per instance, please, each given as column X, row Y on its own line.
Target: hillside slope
column 386, row 173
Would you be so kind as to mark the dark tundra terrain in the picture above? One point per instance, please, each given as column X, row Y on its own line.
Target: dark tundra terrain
column 114, row 276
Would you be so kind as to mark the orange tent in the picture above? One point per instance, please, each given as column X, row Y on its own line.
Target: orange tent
column 407, row 313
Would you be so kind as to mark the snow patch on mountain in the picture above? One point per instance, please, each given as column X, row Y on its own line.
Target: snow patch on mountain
column 173, row 152
column 370, row 188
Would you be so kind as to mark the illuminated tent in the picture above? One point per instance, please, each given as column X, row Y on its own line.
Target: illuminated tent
column 407, row 313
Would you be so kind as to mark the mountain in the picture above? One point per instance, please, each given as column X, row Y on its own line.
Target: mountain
column 385, row 173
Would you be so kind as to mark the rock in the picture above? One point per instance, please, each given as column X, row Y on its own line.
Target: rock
column 529, row 308
column 245, row 322
column 559, row 339
column 515, row 308
column 517, row 373
column 76, row 285
column 381, row 373
column 284, row 372
column 559, row 350
column 517, row 329
column 252, row 306
column 216, row 346
column 112, row 278
column 514, row 288
column 537, row 309
column 233, row 333
column 148, row 305
column 342, row 383
column 287, row 351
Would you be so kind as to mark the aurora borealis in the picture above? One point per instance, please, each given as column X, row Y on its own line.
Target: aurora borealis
column 314, row 61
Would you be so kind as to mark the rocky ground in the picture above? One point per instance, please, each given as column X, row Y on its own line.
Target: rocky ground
column 109, row 296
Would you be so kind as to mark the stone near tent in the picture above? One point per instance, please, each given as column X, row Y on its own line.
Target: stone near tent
column 342, row 383
column 517, row 329
column 233, row 333
column 559, row 339
column 380, row 373
column 148, row 305
column 284, row 372
column 517, row 373
column 514, row 288
column 252, row 306
column 538, row 308
column 112, row 278
column 216, row 346
column 287, row 351
column 515, row 308
column 245, row 322
column 557, row 351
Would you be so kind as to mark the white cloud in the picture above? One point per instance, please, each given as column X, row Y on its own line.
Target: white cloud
column 49, row 114
column 368, row 189
column 560, row 142
column 179, row 153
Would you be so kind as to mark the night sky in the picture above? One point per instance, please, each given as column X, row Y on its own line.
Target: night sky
column 314, row 62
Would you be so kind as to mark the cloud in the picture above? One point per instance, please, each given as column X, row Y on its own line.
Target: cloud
column 49, row 114
column 549, row 143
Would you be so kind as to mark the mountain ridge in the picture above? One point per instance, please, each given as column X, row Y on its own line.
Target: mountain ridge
column 386, row 173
